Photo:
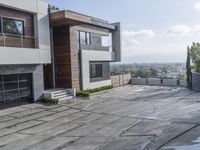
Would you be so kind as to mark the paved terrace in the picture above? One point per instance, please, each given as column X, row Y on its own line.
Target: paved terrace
column 125, row 118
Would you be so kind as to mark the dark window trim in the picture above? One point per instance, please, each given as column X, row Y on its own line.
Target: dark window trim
column 8, row 34
column 86, row 39
column 96, row 77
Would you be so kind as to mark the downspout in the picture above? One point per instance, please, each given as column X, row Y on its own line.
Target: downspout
column 80, row 62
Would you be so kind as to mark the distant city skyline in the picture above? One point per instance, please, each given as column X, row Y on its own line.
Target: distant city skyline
column 152, row 31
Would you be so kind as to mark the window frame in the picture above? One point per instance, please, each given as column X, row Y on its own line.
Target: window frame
column 10, row 34
column 96, row 76
column 87, row 38
column 103, row 38
column 80, row 37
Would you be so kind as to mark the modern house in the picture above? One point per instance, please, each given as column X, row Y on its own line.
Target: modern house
column 43, row 48
column 82, row 49
column 24, row 48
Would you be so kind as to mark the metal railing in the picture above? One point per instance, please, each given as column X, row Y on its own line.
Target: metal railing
column 19, row 41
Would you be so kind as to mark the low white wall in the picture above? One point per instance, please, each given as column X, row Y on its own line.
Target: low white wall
column 154, row 81
column 139, row 81
column 170, row 82
column 98, row 84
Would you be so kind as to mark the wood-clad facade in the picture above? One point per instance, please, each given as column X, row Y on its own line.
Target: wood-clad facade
column 62, row 57
column 27, row 40
column 66, row 59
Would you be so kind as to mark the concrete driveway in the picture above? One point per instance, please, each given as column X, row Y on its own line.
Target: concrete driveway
column 124, row 118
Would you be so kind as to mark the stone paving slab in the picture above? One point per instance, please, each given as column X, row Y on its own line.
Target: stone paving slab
column 19, row 127
column 128, row 143
column 11, row 138
column 124, row 118
column 88, row 143
column 24, row 119
column 187, row 141
column 52, row 124
column 146, row 128
column 12, row 110
column 53, row 143
column 116, row 128
column 59, row 114
column 6, row 118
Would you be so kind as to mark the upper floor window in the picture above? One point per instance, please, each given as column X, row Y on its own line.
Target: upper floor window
column 12, row 26
column 85, row 38
column 106, row 41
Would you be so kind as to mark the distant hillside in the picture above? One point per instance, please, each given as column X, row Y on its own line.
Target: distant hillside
column 165, row 70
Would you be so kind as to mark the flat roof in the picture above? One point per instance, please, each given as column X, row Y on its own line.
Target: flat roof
column 68, row 17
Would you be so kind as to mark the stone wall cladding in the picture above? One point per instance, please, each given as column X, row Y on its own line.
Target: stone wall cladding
column 120, row 80
column 38, row 83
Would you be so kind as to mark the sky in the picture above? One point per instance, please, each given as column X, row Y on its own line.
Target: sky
column 153, row 31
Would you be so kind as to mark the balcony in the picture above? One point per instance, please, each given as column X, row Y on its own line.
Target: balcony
column 17, row 41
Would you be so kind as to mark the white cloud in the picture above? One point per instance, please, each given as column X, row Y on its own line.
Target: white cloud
column 197, row 7
column 131, row 39
column 140, row 33
column 169, row 45
column 183, row 30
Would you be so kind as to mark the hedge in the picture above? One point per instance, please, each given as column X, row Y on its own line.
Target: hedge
column 86, row 93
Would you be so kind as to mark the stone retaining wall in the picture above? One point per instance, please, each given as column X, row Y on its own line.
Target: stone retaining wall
column 120, row 80
column 158, row 82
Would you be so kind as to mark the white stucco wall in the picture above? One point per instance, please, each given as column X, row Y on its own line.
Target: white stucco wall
column 92, row 55
column 30, row 56
column 94, row 85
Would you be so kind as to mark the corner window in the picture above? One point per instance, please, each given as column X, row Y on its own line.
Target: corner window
column 12, row 26
column 85, row 38
column 96, row 71
column 106, row 41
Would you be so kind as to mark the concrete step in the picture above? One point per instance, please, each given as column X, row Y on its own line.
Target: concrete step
column 61, row 94
column 59, row 91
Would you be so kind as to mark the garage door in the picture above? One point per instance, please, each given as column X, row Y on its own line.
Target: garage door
column 15, row 89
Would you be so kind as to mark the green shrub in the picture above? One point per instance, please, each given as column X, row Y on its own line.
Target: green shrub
column 103, row 88
column 86, row 93
column 198, row 64
column 50, row 101
column 83, row 94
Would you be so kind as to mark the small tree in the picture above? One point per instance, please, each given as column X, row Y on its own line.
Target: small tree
column 188, row 67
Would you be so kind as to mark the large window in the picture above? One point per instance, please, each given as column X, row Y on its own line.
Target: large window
column 12, row 26
column 85, row 38
column 96, row 71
